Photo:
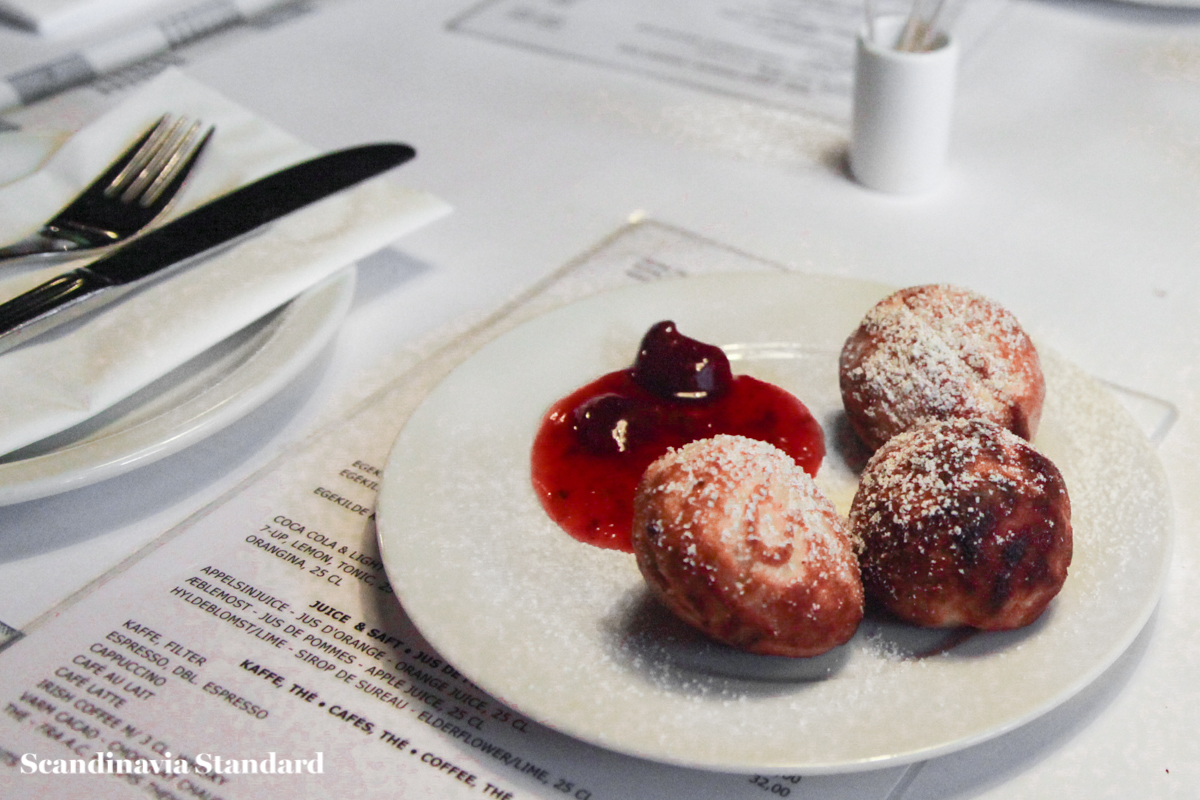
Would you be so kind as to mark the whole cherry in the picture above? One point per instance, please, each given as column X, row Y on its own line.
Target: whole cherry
column 670, row 364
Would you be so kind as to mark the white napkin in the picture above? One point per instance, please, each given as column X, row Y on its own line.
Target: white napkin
column 69, row 17
column 67, row 376
column 56, row 17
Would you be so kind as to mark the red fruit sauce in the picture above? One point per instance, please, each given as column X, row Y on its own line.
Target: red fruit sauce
column 594, row 444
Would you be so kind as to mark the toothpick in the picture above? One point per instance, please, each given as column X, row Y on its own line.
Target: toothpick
column 931, row 26
column 908, row 38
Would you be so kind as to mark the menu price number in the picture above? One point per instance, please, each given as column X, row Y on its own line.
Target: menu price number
column 508, row 718
column 331, row 574
column 568, row 788
column 780, row 785
column 322, row 572
column 459, row 714
column 296, row 542
column 464, row 716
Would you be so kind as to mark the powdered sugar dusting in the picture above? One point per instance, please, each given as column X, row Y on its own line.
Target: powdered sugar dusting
column 553, row 627
column 962, row 523
column 750, row 486
column 933, row 352
column 736, row 539
column 922, row 474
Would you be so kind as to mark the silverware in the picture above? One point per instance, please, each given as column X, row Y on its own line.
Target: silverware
column 187, row 238
column 125, row 198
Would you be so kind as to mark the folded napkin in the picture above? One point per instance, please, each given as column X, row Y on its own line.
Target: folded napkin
column 71, row 374
column 181, row 20
column 56, row 17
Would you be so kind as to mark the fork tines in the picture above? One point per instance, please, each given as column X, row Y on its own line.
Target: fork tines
column 131, row 192
column 162, row 156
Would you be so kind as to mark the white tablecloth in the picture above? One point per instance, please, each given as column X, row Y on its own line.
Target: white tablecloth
column 1072, row 198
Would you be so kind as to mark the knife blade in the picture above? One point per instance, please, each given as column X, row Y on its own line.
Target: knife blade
column 188, row 238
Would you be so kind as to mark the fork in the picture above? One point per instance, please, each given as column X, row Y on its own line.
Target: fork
column 125, row 198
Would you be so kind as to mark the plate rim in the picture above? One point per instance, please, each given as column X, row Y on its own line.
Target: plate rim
column 1097, row 668
column 301, row 329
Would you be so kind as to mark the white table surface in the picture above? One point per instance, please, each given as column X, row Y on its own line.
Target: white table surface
column 1073, row 198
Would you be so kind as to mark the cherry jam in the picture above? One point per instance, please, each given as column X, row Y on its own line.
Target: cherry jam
column 594, row 444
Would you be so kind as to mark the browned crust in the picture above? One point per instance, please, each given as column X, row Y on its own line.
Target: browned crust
column 962, row 523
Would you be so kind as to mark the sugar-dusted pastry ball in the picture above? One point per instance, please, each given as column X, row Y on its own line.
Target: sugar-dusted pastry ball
column 740, row 543
column 961, row 522
column 939, row 352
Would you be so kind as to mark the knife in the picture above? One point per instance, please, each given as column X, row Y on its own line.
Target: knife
column 189, row 237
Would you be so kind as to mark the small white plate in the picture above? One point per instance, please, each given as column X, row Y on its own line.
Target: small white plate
column 566, row 633
column 188, row 404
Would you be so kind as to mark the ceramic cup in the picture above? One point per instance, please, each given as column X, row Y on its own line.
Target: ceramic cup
column 903, row 104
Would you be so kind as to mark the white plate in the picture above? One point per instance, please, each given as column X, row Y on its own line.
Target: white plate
column 194, row 401
column 1169, row 4
column 565, row 633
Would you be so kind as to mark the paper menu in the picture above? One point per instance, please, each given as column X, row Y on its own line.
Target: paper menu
column 795, row 55
column 265, row 626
